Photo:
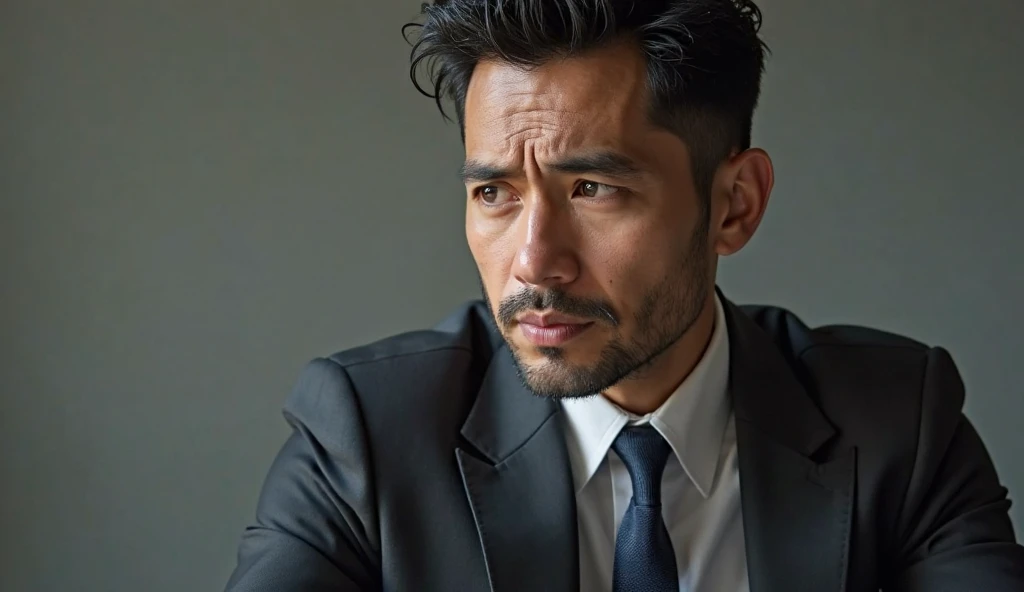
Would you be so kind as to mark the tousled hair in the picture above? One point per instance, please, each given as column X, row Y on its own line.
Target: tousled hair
column 704, row 58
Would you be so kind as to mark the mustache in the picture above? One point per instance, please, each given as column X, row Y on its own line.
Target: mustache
column 558, row 301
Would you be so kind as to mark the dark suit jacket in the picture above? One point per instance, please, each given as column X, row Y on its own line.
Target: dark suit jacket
column 420, row 463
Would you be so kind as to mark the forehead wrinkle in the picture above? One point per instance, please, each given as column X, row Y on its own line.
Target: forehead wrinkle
column 547, row 130
column 568, row 123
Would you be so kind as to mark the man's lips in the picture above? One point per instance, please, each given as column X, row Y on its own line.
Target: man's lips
column 551, row 330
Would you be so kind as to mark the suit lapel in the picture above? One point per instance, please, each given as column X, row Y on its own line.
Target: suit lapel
column 796, row 511
column 518, row 481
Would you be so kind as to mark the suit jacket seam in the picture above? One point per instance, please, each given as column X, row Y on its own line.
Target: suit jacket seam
column 917, row 450
column 355, row 363
column 504, row 461
column 371, row 461
column 920, row 348
column 474, row 503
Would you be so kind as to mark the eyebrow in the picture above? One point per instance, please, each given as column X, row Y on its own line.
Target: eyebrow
column 475, row 171
column 607, row 163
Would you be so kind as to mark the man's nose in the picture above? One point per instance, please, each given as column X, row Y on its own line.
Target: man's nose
column 546, row 254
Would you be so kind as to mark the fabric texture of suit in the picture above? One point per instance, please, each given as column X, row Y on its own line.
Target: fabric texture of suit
column 422, row 463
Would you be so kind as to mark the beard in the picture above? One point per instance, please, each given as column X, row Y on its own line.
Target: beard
column 666, row 313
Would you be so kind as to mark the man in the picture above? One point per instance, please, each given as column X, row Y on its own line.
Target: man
column 605, row 419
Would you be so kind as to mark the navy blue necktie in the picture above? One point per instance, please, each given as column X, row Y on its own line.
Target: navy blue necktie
column 644, row 558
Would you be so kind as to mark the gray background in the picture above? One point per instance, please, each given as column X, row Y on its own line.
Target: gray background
column 195, row 200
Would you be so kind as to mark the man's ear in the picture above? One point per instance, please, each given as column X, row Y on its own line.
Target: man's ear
column 744, row 185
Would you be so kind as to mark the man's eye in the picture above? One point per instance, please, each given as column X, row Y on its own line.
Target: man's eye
column 597, row 190
column 494, row 196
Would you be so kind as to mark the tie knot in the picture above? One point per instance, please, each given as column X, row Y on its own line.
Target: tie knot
column 644, row 452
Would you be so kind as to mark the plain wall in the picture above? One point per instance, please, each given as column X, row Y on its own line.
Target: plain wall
column 194, row 201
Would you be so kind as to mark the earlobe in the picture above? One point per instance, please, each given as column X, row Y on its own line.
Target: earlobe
column 749, row 180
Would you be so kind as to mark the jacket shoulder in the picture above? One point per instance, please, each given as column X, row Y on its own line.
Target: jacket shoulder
column 876, row 387
column 792, row 334
column 419, row 374
column 463, row 332
column 862, row 379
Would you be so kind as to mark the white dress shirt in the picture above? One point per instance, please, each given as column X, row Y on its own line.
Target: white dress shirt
column 700, row 490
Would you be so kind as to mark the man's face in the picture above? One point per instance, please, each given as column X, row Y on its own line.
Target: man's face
column 583, row 218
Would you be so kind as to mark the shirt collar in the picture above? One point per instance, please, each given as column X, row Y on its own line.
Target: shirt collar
column 692, row 419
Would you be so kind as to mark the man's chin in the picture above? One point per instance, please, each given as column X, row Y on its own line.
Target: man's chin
column 557, row 378
column 555, row 387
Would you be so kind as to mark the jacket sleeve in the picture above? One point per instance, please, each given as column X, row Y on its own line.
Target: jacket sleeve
column 315, row 528
column 956, row 534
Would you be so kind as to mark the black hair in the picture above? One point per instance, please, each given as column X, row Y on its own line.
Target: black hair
column 704, row 58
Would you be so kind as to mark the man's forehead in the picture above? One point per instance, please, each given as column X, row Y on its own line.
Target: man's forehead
column 563, row 106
